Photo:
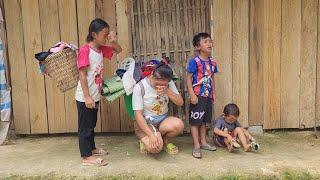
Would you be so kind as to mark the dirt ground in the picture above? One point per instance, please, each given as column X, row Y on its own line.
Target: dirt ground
column 58, row 157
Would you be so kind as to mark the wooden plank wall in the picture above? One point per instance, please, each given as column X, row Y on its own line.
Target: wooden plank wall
column 165, row 28
column 267, row 52
column 34, row 26
column 281, row 49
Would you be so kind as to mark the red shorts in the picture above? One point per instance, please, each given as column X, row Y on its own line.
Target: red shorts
column 219, row 140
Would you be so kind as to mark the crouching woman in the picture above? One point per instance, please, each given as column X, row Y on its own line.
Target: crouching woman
column 150, row 99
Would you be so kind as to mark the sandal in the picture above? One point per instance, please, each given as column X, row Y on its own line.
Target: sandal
column 208, row 147
column 196, row 153
column 171, row 149
column 142, row 148
column 99, row 152
column 254, row 145
column 98, row 162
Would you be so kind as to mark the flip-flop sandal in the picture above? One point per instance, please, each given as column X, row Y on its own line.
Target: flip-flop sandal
column 142, row 148
column 255, row 146
column 208, row 147
column 100, row 152
column 196, row 153
column 98, row 162
column 171, row 149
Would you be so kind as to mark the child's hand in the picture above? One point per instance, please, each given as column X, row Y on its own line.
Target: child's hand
column 90, row 103
column 194, row 99
column 112, row 37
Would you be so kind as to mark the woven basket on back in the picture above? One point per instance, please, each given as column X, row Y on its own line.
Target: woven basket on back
column 62, row 67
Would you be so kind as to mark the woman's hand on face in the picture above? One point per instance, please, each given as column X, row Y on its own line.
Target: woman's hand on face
column 161, row 90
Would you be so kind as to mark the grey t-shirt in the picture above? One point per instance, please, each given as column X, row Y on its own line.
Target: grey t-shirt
column 221, row 123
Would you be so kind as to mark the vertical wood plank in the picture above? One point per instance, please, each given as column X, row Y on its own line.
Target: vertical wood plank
column 49, row 19
column 154, row 30
column 290, row 63
column 110, row 111
column 308, row 61
column 271, row 63
column 36, row 87
column 190, row 34
column 158, row 31
column 133, row 27
column 186, row 25
column 203, row 10
column 222, row 31
column 146, row 29
column 18, row 68
column 317, row 120
column 124, row 39
column 256, row 63
column 194, row 16
column 69, row 33
column 86, row 13
column 197, row 21
column 181, row 55
column 166, row 27
column 185, row 43
column 99, row 8
column 240, row 59
column 140, row 41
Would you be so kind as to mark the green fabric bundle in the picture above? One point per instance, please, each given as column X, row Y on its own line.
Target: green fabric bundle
column 112, row 88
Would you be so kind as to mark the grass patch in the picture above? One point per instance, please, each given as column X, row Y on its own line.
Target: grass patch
column 287, row 174
column 296, row 175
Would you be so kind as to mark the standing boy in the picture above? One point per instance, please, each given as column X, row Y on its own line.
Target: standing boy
column 201, row 88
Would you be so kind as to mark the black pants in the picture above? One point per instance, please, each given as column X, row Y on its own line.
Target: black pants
column 87, row 120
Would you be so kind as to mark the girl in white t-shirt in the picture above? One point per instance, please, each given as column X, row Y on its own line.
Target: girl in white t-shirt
column 90, row 65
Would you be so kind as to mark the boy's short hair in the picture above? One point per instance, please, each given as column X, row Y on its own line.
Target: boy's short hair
column 197, row 38
column 231, row 109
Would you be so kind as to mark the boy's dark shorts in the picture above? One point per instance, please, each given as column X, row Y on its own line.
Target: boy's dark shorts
column 201, row 113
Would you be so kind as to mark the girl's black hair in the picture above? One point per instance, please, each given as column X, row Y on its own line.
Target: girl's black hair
column 163, row 71
column 96, row 26
column 197, row 38
column 231, row 109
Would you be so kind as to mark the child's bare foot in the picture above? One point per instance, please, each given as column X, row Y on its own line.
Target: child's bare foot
column 99, row 152
column 93, row 161
column 247, row 148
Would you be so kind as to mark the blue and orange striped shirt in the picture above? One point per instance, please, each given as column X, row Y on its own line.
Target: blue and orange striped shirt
column 202, row 72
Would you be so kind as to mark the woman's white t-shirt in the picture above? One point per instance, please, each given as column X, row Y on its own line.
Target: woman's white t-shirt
column 151, row 103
